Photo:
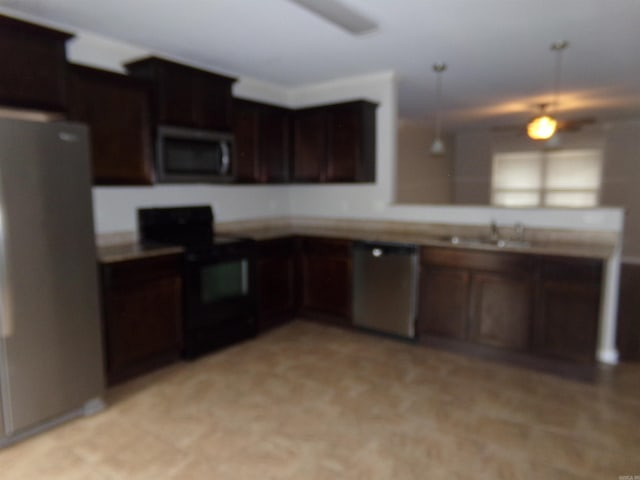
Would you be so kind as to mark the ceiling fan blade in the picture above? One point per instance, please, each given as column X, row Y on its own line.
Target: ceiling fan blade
column 575, row 124
column 339, row 14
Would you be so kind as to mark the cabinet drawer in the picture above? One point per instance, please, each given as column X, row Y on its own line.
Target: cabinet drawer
column 476, row 260
column 280, row 247
column 133, row 272
column 326, row 246
column 571, row 268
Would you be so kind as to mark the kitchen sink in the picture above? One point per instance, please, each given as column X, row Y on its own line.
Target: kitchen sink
column 486, row 241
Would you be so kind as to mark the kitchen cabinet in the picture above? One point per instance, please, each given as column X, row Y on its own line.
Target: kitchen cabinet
column 117, row 109
column 334, row 143
column 186, row 96
column 276, row 272
column 325, row 268
column 33, row 66
column 629, row 312
column 568, row 308
column 142, row 314
column 481, row 297
column 262, row 143
column 541, row 305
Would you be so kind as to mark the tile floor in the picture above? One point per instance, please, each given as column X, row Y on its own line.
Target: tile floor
column 308, row 401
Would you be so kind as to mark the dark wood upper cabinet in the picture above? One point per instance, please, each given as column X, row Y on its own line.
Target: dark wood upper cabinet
column 262, row 143
column 274, row 144
column 33, row 66
column 351, row 136
column 334, row 143
column 310, row 147
column 186, row 96
column 117, row 109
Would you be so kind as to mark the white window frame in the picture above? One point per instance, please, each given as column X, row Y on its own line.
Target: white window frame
column 543, row 191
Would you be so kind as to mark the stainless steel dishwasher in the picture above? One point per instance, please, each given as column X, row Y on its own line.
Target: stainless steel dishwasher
column 385, row 282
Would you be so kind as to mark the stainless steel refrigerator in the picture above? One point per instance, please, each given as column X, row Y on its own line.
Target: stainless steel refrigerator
column 50, row 341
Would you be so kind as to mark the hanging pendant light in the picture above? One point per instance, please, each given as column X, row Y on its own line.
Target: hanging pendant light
column 544, row 126
column 437, row 147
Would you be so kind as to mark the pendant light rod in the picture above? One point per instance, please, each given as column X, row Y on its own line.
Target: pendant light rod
column 558, row 48
column 439, row 68
column 544, row 126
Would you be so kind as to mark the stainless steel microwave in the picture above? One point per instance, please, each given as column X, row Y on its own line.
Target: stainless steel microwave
column 191, row 155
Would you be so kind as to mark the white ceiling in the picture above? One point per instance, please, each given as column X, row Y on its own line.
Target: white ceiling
column 500, row 65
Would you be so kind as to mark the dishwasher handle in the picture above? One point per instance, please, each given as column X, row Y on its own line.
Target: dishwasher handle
column 381, row 249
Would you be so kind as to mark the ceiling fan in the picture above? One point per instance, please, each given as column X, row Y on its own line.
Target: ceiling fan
column 340, row 14
column 544, row 126
column 568, row 125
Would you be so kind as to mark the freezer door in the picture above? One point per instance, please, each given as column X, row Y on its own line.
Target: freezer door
column 50, row 344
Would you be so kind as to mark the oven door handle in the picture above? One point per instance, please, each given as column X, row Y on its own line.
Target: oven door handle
column 225, row 159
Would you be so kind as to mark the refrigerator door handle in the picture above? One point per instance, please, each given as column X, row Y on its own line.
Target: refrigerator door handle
column 6, row 318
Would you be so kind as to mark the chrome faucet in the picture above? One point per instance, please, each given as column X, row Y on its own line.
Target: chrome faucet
column 519, row 231
column 495, row 232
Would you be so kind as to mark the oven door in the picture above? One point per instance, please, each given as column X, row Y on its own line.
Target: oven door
column 220, row 304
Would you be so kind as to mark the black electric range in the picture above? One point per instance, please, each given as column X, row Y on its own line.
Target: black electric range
column 219, row 290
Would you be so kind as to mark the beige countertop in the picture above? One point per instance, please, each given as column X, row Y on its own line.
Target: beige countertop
column 591, row 244
column 121, row 252
column 556, row 242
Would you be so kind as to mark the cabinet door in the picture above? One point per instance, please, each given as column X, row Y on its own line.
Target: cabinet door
column 117, row 110
column 628, row 331
column 310, row 145
column 568, row 308
column 246, row 131
column 444, row 302
column 501, row 309
column 345, row 131
column 178, row 92
column 186, row 96
column 326, row 277
column 33, row 66
column 142, row 302
column 215, row 102
column 274, row 144
column 276, row 279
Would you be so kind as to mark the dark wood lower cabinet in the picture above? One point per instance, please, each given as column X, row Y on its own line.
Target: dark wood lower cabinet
column 142, row 309
column 443, row 302
column 276, row 281
column 325, row 267
column 522, row 303
column 629, row 312
column 501, row 307
column 568, row 308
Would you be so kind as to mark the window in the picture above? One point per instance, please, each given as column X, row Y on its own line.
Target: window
column 562, row 178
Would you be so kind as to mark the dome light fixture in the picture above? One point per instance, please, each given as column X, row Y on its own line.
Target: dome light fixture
column 437, row 147
column 544, row 126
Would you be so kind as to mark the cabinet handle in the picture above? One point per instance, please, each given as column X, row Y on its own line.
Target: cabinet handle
column 226, row 160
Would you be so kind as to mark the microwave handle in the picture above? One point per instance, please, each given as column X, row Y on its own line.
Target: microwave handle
column 225, row 160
